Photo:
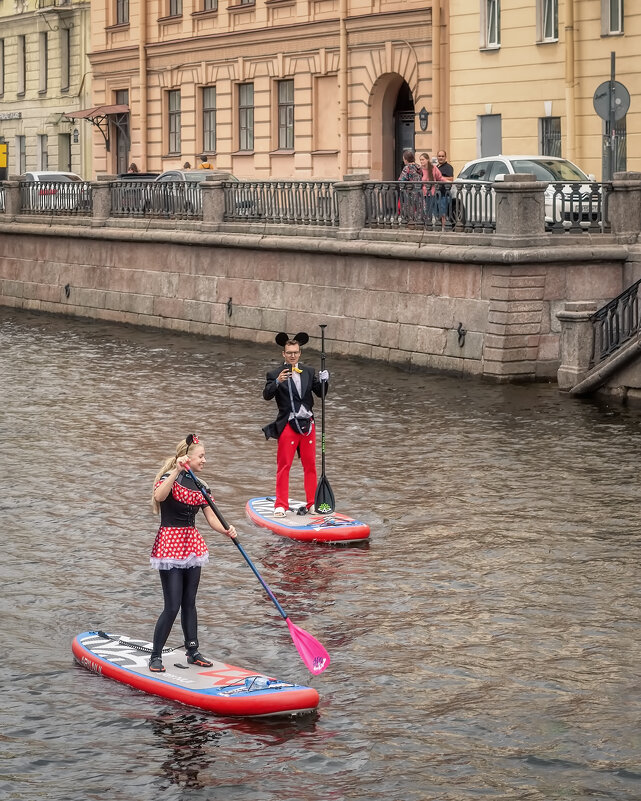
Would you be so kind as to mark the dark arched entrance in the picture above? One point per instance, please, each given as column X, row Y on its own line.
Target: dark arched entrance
column 403, row 125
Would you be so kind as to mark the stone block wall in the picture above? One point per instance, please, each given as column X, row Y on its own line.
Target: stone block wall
column 464, row 309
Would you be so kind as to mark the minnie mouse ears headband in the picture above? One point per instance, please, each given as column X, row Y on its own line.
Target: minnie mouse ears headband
column 192, row 439
column 282, row 338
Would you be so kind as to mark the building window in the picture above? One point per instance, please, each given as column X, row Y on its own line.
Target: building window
column 65, row 58
column 547, row 20
column 173, row 105
column 490, row 23
column 210, row 5
column 21, row 154
column 22, row 63
column 619, row 147
column 64, row 152
column 1, row 67
column 246, row 116
column 286, row 115
column 209, row 119
column 43, row 152
column 550, row 136
column 175, row 8
column 611, row 17
column 122, row 12
column 44, row 60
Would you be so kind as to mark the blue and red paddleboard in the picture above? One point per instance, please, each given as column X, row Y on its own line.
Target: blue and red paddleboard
column 222, row 688
column 331, row 528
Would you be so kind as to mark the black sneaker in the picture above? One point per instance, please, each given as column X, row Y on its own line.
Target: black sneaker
column 156, row 665
column 199, row 659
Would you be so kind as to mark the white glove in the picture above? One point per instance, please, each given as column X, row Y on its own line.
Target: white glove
column 324, row 375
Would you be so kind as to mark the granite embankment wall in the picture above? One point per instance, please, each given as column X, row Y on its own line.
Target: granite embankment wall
column 400, row 302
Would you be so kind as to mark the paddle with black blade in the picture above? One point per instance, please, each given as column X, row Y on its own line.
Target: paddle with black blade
column 324, row 500
column 311, row 651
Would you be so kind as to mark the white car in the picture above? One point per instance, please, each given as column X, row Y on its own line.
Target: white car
column 571, row 196
column 54, row 190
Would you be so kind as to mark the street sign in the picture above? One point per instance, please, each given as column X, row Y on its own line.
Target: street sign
column 3, row 155
column 621, row 100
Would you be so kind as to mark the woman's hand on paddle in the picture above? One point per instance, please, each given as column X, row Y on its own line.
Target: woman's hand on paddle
column 231, row 532
column 182, row 462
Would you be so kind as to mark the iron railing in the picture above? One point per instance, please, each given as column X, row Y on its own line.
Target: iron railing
column 163, row 199
column 615, row 323
column 292, row 202
column 574, row 207
column 56, row 197
column 429, row 205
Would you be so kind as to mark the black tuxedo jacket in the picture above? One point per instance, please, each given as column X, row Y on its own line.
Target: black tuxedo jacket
column 309, row 383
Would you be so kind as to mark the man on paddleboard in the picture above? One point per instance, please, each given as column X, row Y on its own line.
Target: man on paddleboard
column 294, row 386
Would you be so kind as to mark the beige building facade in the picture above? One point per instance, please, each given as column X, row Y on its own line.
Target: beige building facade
column 44, row 72
column 522, row 77
column 269, row 88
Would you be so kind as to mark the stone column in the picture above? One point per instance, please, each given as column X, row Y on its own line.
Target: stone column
column 101, row 205
column 520, row 207
column 624, row 206
column 12, row 203
column 351, row 208
column 577, row 343
column 213, row 195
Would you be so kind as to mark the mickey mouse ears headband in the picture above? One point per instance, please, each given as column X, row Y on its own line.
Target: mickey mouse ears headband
column 282, row 338
column 192, row 439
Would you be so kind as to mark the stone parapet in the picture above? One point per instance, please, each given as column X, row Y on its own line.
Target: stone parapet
column 351, row 208
column 520, row 207
column 101, row 192
column 625, row 203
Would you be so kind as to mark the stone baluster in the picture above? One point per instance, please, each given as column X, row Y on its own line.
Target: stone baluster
column 577, row 343
column 213, row 196
column 101, row 202
column 12, row 203
column 520, row 208
column 624, row 209
column 351, row 208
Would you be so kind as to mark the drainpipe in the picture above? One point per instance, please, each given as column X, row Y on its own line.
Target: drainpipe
column 142, row 80
column 570, row 81
column 343, row 121
column 436, row 74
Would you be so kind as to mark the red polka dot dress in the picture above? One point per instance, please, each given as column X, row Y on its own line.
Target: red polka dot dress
column 178, row 542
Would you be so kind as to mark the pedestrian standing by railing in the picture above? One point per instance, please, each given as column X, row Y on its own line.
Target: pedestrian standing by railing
column 431, row 200
column 411, row 172
column 447, row 173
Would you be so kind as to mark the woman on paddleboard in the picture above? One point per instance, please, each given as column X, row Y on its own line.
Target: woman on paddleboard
column 179, row 549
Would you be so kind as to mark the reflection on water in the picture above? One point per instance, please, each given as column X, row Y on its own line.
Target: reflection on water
column 485, row 643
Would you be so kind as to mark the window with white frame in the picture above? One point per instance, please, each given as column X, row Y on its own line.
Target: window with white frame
column 286, row 115
column 490, row 23
column 547, row 20
column 173, row 120
column 209, row 119
column 246, row 116
column 611, row 17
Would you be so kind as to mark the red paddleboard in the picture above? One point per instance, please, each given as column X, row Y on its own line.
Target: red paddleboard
column 223, row 689
column 331, row 528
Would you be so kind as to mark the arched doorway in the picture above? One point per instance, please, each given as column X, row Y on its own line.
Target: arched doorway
column 392, row 126
column 403, row 125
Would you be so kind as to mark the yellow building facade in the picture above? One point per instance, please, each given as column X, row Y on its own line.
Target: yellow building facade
column 522, row 77
column 266, row 88
column 44, row 72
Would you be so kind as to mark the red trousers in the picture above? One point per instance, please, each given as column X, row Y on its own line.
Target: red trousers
column 288, row 442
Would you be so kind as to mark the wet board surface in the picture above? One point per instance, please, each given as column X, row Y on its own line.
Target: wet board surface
column 222, row 689
column 332, row 528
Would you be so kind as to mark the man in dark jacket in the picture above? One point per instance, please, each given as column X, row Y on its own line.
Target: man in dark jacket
column 294, row 386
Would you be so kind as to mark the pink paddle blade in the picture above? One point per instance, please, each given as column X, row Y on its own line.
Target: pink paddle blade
column 311, row 651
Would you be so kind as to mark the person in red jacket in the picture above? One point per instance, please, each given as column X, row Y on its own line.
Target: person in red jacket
column 294, row 385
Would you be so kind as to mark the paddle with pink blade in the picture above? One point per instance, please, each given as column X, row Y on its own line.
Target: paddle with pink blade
column 311, row 651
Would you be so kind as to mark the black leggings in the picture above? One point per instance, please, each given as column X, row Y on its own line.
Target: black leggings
column 179, row 588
